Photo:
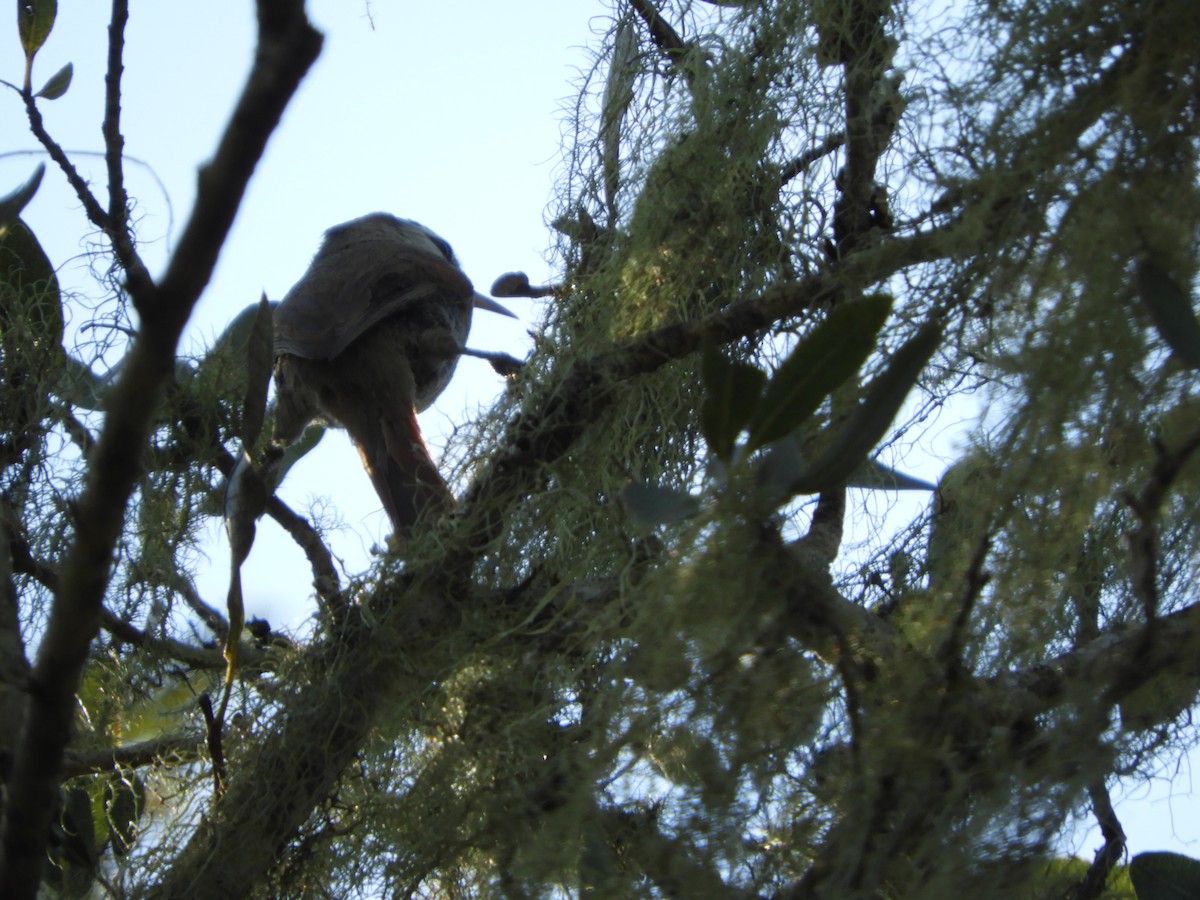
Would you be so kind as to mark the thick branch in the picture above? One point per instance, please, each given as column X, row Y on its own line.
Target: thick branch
column 299, row 763
column 1143, row 541
column 287, row 47
column 133, row 756
column 1110, row 854
column 167, row 648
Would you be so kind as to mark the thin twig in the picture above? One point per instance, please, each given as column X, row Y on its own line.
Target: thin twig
column 977, row 578
column 665, row 37
column 288, row 45
column 1110, row 854
column 114, row 147
column 800, row 164
column 166, row 648
column 325, row 576
column 1143, row 540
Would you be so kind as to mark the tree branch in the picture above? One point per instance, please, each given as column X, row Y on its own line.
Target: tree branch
column 133, row 756
column 325, row 576
column 299, row 763
column 114, row 146
column 1110, row 854
column 287, row 47
column 1143, row 541
column 666, row 38
column 800, row 164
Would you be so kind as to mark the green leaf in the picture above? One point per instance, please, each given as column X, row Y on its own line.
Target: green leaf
column 731, row 392
column 868, row 424
column 1171, row 310
column 35, row 18
column 874, row 475
column 12, row 204
column 80, row 386
column 294, row 452
column 827, row 356
column 1165, row 876
column 237, row 333
column 26, row 270
column 79, row 834
column 58, row 83
column 658, row 506
column 260, row 355
column 168, row 710
column 124, row 801
column 618, row 95
column 31, row 315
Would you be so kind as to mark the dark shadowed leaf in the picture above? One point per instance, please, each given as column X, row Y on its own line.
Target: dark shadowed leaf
column 874, row 475
column 868, row 424
column 79, row 837
column 1170, row 307
column 1165, row 876
column 828, row 355
column 731, row 392
column 12, row 204
column 124, row 800
column 658, row 506
column 27, row 271
column 80, row 386
column 781, row 467
column 295, row 452
column 259, row 357
column 31, row 314
column 237, row 333
column 58, row 83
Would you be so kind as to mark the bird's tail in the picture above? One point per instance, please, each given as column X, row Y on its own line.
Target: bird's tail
column 403, row 473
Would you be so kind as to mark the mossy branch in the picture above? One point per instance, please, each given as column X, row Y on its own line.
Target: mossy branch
column 287, row 47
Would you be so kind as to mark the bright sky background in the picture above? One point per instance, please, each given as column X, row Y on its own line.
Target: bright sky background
column 448, row 113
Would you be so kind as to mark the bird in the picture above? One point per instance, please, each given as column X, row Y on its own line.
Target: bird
column 368, row 338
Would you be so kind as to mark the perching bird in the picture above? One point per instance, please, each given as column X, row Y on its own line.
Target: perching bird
column 368, row 338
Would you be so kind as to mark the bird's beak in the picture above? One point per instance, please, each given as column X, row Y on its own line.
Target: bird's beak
column 482, row 302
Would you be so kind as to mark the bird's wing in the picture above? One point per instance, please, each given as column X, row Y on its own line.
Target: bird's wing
column 351, row 285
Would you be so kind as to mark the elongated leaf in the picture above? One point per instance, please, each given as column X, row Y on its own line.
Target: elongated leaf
column 1165, row 876
column 124, row 801
column 868, row 424
column 618, row 94
column 259, row 357
column 170, row 709
column 874, row 475
column 658, row 506
column 35, row 18
column 294, row 453
column 1170, row 308
column 26, row 271
column 12, row 204
column 80, row 386
column 830, row 354
column 78, row 827
column 731, row 393
column 58, row 83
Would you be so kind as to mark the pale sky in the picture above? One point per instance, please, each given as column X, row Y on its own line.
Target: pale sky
column 449, row 113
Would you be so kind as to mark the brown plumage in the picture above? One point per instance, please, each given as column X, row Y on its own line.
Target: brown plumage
column 368, row 338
